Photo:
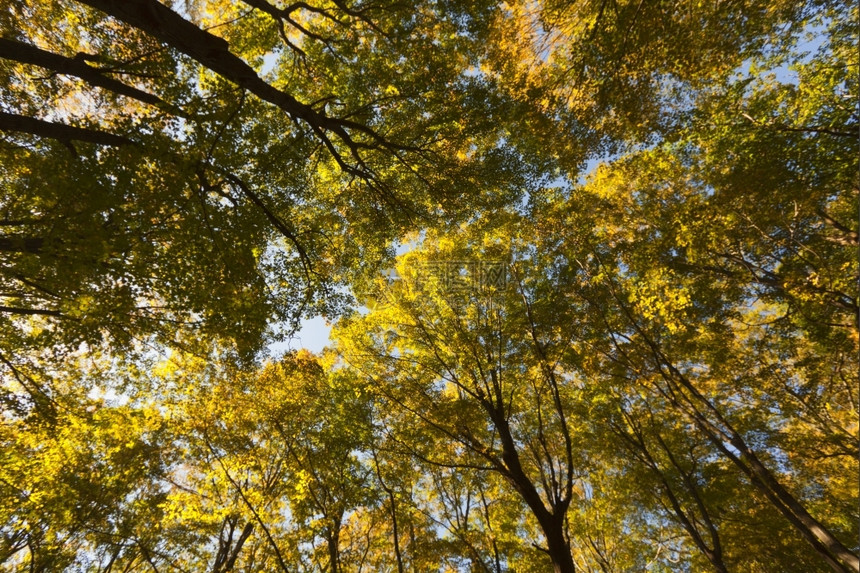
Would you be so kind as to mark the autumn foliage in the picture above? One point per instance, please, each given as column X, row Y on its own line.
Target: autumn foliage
column 592, row 271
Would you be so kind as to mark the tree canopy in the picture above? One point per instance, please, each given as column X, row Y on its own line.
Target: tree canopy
column 619, row 328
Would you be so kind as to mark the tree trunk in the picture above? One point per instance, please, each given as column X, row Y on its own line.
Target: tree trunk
column 161, row 22
column 333, row 539
column 559, row 549
column 834, row 552
column 551, row 521
column 32, row 245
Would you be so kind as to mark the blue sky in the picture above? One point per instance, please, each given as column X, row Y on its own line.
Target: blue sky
column 313, row 336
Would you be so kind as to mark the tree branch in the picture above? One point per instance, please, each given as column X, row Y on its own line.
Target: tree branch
column 164, row 24
column 28, row 54
column 59, row 131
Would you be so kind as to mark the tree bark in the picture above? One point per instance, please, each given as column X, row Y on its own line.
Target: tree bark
column 333, row 540
column 29, row 311
column 559, row 548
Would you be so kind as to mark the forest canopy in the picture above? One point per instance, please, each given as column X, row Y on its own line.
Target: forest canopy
column 592, row 268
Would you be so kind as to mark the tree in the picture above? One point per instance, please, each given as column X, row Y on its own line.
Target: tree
column 85, row 487
column 647, row 366
column 608, row 310
column 772, row 291
column 280, row 451
column 600, row 77
column 479, row 371
column 658, row 294
column 125, row 183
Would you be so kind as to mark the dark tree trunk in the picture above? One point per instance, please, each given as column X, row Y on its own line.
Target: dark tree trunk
column 559, row 548
column 333, row 539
